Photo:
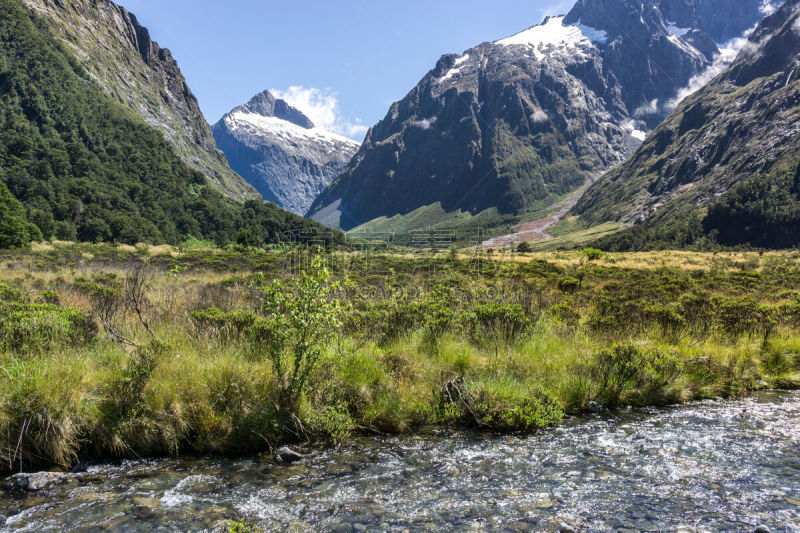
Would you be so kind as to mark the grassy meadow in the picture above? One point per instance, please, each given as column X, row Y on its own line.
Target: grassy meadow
column 127, row 351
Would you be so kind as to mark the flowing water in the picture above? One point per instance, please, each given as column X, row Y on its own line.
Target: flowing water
column 708, row 466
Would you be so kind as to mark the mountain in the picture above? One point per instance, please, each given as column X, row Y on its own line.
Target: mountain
column 118, row 54
column 728, row 157
column 280, row 152
column 85, row 167
column 519, row 123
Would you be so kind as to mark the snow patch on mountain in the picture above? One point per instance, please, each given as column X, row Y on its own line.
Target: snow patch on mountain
column 675, row 30
column 456, row 68
column 552, row 33
column 593, row 34
column 322, row 107
column 259, row 124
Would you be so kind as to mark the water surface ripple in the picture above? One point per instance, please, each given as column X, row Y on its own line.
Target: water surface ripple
column 708, row 466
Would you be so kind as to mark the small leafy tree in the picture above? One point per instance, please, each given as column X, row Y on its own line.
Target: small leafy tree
column 298, row 315
column 592, row 254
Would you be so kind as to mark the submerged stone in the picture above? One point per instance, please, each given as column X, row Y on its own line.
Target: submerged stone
column 37, row 481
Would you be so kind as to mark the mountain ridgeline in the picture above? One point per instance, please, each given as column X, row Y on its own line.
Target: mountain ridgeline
column 280, row 152
column 117, row 53
column 517, row 123
column 725, row 166
column 86, row 167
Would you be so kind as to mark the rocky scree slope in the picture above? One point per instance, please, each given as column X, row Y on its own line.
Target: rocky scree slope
column 511, row 123
column 120, row 56
column 280, row 152
column 744, row 124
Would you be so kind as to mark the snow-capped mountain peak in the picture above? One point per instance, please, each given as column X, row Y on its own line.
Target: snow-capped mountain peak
column 554, row 33
column 280, row 151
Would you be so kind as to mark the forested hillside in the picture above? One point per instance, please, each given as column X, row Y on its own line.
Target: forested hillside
column 86, row 168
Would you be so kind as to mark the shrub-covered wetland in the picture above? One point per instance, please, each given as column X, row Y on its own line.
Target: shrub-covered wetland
column 151, row 351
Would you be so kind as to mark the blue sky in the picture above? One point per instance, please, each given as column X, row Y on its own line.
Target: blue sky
column 344, row 61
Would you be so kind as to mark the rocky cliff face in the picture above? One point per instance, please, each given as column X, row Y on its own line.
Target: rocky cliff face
column 277, row 149
column 119, row 54
column 515, row 122
column 745, row 123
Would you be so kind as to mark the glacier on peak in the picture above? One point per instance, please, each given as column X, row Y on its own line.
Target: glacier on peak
column 553, row 32
column 283, row 128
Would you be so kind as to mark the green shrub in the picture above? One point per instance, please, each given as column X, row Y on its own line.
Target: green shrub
column 628, row 374
column 524, row 248
column 738, row 317
column 667, row 318
column 499, row 404
column 592, row 254
column 566, row 314
column 697, row 310
column 384, row 320
column 569, row 284
column 511, row 406
column 330, row 421
column 11, row 295
column 501, row 323
column 243, row 526
column 437, row 311
column 37, row 327
column 49, row 297
column 615, row 316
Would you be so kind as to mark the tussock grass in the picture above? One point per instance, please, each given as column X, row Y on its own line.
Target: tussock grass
column 428, row 340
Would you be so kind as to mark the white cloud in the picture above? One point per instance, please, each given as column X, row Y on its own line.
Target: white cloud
column 539, row 116
column 767, row 8
column 650, row 108
column 632, row 128
column 322, row 107
column 727, row 54
column 425, row 123
column 796, row 25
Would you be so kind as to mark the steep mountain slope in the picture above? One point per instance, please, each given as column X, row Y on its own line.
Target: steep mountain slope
column 85, row 167
column 513, row 123
column 118, row 54
column 277, row 149
column 735, row 142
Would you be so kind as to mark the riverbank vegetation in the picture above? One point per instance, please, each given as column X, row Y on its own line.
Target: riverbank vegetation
column 138, row 351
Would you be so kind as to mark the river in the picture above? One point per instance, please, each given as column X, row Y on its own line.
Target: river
column 707, row 466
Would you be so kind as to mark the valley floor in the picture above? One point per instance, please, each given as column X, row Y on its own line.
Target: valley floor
column 148, row 351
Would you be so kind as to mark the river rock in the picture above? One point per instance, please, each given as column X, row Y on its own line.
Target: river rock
column 595, row 407
column 79, row 467
column 762, row 529
column 287, row 455
column 37, row 481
